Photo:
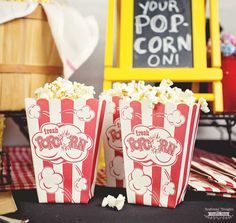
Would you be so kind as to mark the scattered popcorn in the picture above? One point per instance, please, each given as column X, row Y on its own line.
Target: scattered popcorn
column 113, row 202
column 120, row 201
column 204, row 105
column 61, row 88
column 104, row 202
column 164, row 93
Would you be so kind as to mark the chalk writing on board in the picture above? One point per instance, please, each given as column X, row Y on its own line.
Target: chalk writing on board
column 162, row 33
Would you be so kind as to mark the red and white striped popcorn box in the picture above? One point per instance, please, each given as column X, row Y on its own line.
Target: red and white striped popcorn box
column 224, row 164
column 225, row 195
column 64, row 137
column 216, row 175
column 204, row 184
column 112, row 142
column 158, row 145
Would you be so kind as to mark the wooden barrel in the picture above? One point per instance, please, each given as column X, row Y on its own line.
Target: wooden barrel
column 2, row 126
column 28, row 59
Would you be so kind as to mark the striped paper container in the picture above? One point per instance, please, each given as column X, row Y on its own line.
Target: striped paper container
column 158, row 145
column 112, row 143
column 217, row 176
column 64, row 138
column 224, row 164
column 225, row 195
column 204, row 184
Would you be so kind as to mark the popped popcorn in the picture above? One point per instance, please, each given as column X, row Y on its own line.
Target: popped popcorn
column 62, row 88
column 164, row 93
column 113, row 202
column 204, row 105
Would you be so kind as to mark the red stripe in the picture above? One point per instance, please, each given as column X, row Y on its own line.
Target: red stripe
column 87, row 164
column 229, row 184
column 44, row 106
column 180, row 135
column 101, row 178
column 222, row 195
column 189, row 155
column 98, row 136
column 208, row 189
column 191, row 150
column 67, row 118
column 16, row 176
column 222, row 189
column 137, row 107
column 157, row 121
column 116, row 115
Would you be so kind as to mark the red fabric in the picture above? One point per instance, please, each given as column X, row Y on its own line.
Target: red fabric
column 44, row 105
column 67, row 167
column 21, row 169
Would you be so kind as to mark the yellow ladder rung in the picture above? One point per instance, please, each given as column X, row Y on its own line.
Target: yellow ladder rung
column 207, row 96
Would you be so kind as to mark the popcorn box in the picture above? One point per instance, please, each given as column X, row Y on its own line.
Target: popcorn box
column 204, row 184
column 112, row 143
column 64, row 138
column 158, row 144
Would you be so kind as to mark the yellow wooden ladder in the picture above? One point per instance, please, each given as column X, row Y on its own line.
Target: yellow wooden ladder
column 119, row 48
column 119, row 40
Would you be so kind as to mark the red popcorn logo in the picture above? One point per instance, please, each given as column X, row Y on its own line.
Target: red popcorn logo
column 152, row 146
column 113, row 134
column 61, row 142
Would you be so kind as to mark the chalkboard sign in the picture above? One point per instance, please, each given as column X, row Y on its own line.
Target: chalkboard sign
column 162, row 33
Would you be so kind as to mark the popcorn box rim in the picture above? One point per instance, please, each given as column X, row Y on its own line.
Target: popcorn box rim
column 147, row 102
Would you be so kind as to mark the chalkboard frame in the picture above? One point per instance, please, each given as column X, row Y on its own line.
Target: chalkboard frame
column 120, row 12
column 198, row 35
